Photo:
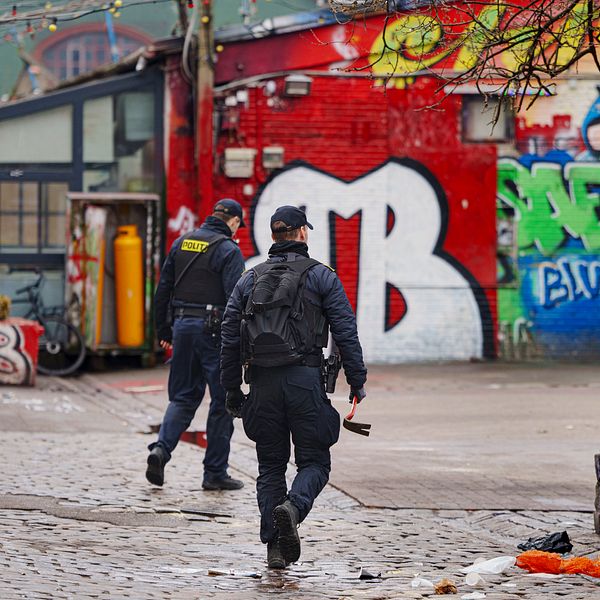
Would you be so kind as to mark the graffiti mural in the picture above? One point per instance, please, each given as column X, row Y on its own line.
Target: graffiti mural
column 552, row 192
column 18, row 351
column 384, row 233
column 415, row 42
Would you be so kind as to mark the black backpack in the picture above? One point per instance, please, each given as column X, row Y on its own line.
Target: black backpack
column 278, row 326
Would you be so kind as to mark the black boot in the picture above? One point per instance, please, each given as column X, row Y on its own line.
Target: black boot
column 157, row 459
column 286, row 519
column 275, row 558
column 227, row 483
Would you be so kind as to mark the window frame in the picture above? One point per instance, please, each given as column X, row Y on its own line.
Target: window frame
column 509, row 129
column 72, row 173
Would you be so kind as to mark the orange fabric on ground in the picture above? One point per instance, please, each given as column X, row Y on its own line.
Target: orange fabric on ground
column 536, row 561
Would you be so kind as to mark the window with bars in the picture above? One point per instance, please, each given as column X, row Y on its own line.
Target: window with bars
column 84, row 51
column 32, row 217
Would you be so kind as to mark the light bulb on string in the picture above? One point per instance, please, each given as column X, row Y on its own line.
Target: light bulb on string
column 117, row 14
column 190, row 4
column 48, row 5
column 118, row 3
column 14, row 10
column 53, row 26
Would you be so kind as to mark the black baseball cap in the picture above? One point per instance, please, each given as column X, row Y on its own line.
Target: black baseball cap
column 293, row 217
column 230, row 207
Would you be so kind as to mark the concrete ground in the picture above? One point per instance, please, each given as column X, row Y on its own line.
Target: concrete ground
column 464, row 462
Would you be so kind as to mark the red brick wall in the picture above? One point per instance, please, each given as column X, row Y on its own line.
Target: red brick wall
column 406, row 209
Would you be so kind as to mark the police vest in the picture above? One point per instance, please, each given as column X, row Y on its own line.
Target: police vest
column 195, row 281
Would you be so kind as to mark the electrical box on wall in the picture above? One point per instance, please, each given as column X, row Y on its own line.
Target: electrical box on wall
column 272, row 157
column 239, row 162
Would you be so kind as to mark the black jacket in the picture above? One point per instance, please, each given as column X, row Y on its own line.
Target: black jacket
column 227, row 259
column 324, row 283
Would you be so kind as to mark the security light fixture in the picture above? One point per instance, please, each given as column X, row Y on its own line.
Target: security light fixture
column 297, row 85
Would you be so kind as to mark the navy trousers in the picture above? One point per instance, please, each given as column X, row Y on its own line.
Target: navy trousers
column 195, row 364
column 284, row 402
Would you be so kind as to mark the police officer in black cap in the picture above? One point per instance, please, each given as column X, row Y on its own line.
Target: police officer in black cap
column 288, row 400
column 196, row 280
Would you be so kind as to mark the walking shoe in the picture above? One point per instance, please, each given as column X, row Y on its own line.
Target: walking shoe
column 286, row 518
column 155, row 472
column 227, row 483
column 275, row 558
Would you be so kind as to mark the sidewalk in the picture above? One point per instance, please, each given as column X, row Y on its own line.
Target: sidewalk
column 464, row 461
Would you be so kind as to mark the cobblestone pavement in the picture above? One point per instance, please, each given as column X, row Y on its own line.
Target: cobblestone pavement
column 78, row 520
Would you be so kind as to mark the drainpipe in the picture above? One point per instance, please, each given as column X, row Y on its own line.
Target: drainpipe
column 204, row 110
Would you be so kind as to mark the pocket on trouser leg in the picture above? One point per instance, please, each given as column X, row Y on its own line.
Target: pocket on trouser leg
column 328, row 425
column 249, row 418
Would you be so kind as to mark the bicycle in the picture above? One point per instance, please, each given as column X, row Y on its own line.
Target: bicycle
column 61, row 346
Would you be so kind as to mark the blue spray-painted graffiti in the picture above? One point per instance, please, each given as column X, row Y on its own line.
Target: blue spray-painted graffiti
column 568, row 280
column 559, row 300
column 549, row 303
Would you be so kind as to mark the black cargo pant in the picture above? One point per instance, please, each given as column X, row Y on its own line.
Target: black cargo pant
column 288, row 401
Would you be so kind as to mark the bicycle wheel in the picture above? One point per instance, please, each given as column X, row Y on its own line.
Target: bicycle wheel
column 62, row 348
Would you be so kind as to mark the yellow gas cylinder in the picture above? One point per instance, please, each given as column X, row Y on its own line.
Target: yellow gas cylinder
column 129, row 286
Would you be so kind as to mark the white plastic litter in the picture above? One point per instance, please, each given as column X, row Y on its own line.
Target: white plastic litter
column 493, row 566
column 474, row 579
column 473, row 596
column 420, row 582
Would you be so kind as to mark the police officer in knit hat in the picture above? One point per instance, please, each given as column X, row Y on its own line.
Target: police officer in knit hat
column 276, row 324
column 196, row 280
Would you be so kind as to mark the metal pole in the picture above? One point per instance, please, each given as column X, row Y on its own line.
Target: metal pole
column 204, row 109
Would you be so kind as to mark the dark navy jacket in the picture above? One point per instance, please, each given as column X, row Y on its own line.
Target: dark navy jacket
column 321, row 281
column 227, row 259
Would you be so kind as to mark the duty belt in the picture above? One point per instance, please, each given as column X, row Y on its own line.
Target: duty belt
column 195, row 311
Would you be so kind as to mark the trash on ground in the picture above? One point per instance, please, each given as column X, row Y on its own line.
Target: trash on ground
column 473, row 596
column 232, row 573
column 144, row 389
column 555, row 542
column 445, row 586
column 364, row 574
column 536, row 561
column 494, row 566
column 474, row 579
column 421, row 582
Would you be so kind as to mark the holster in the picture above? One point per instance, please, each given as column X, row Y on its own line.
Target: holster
column 330, row 370
column 212, row 322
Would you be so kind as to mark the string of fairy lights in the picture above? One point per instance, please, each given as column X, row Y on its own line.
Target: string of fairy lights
column 19, row 20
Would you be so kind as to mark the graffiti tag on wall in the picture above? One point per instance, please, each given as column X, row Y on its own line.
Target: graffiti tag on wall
column 552, row 202
column 392, row 262
column 16, row 366
column 553, row 190
column 568, row 280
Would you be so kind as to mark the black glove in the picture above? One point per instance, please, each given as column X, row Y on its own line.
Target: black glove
column 165, row 334
column 359, row 393
column 234, row 400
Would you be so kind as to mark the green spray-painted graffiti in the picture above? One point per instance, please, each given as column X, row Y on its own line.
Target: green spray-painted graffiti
column 552, row 202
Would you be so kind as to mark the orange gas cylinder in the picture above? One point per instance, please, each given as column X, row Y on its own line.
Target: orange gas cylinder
column 129, row 286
